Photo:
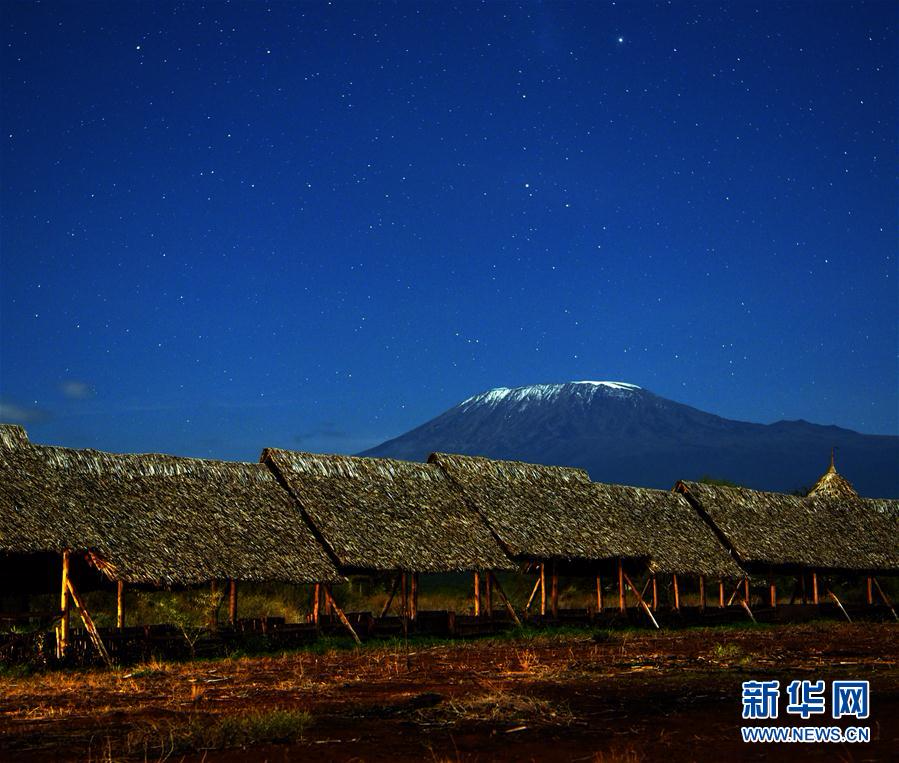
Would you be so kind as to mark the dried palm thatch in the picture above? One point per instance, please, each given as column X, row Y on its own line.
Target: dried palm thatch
column 156, row 519
column 551, row 512
column 12, row 436
column 777, row 530
column 386, row 515
column 833, row 485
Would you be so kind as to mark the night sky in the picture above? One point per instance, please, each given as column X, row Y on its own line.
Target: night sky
column 226, row 226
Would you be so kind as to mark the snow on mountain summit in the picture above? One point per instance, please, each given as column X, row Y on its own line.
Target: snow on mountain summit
column 544, row 392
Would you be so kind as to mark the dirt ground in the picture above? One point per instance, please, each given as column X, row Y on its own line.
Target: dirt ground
column 568, row 696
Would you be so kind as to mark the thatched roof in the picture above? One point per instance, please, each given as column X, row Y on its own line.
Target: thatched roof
column 550, row 512
column 156, row 519
column 12, row 436
column 833, row 485
column 381, row 514
column 778, row 530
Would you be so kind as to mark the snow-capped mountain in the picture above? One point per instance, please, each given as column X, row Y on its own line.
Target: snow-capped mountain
column 621, row 432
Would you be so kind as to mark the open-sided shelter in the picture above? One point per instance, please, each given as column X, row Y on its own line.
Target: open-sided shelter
column 153, row 519
column 775, row 533
column 557, row 515
column 383, row 515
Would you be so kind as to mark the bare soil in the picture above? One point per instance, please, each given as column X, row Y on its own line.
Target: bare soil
column 624, row 696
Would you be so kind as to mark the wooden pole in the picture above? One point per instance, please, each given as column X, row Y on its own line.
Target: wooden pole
column 772, row 591
column 509, row 608
column 341, row 616
column 477, row 594
column 533, row 594
column 886, row 599
column 386, row 607
column 655, row 593
column 746, row 589
column 488, row 593
column 542, row 588
column 598, row 593
column 62, row 631
column 721, row 593
column 414, row 602
column 622, row 604
column 736, row 591
column 120, row 605
column 839, row 604
column 555, row 591
column 404, row 595
column 232, row 601
column 702, row 592
column 815, row 588
column 88, row 623
column 676, row 592
column 640, row 600
column 316, row 602
column 870, row 591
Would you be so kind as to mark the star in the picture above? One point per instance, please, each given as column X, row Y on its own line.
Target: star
column 620, row 40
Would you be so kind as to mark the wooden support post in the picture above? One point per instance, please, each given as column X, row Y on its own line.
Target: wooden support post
column 488, row 593
column 542, row 588
column 232, row 601
column 746, row 590
column 772, row 591
column 734, row 594
column 89, row 624
column 533, row 594
column 598, row 593
column 62, row 630
column 702, row 592
column 815, row 588
column 386, row 607
column 676, row 591
column 622, row 604
column 555, row 591
column 721, row 593
column 509, row 608
column 745, row 605
column 341, row 616
column 316, row 603
column 413, row 612
column 886, row 599
column 120, row 605
column 477, row 594
column 655, row 593
column 869, row 591
column 404, row 595
column 640, row 600
column 839, row 604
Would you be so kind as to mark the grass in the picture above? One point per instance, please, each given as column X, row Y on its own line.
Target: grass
column 499, row 706
column 200, row 732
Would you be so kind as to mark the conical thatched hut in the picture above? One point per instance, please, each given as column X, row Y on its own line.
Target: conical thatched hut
column 551, row 514
column 832, row 484
column 382, row 515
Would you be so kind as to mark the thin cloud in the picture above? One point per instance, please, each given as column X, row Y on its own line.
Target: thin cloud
column 76, row 390
column 22, row 414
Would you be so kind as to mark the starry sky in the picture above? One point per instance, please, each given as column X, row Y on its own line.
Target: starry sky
column 317, row 225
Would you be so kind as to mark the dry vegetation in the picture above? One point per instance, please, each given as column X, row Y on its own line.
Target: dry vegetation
column 568, row 695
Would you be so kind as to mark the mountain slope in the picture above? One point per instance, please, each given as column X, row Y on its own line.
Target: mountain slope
column 619, row 432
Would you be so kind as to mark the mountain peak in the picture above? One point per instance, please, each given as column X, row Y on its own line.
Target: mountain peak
column 621, row 433
column 543, row 392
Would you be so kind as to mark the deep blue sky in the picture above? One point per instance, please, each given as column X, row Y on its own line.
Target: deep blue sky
column 317, row 226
